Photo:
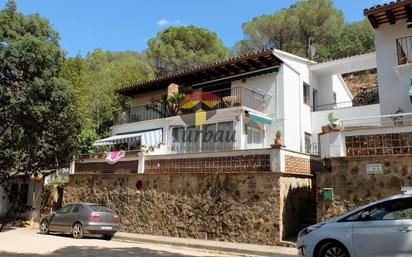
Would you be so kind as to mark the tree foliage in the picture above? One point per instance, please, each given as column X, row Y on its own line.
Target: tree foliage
column 354, row 38
column 38, row 122
column 94, row 80
column 290, row 29
column 178, row 48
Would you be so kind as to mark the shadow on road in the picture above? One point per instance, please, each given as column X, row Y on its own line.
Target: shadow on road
column 87, row 251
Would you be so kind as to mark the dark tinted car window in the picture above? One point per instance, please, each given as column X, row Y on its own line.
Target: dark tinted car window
column 76, row 208
column 64, row 210
column 392, row 210
column 99, row 208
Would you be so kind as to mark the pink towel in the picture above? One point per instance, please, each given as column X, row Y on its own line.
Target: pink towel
column 113, row 157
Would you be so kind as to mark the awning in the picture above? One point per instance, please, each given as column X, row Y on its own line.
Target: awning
column 259, row 118
column 148, row 138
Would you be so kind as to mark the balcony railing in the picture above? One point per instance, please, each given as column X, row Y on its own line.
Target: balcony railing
column 231, row 97
column 404, row 50
column 365, row 96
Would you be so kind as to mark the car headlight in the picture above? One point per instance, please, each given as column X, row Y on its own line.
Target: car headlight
column 307, row 230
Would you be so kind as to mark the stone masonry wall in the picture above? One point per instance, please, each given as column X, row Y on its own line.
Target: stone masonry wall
column 242, row 207
column 353, row 187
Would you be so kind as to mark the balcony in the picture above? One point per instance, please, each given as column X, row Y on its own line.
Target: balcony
column 228, row 98
column 364, row 97
column 404, row 50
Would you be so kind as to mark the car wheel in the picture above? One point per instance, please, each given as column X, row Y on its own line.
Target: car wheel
column 44, row 227
column 77, row 231
column 333, row 249
column 108, row 237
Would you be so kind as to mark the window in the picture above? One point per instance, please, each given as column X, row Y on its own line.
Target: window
column 76, row 208
column 308, row 139
column 225, row 131
column 14, row 192
column 64, row 210
column 335, row 98
column 390, row 210
column 306, row 93
column 24, row 194
column 315, row 97
column 208, row 133
column 208, row 137
column 253, row 138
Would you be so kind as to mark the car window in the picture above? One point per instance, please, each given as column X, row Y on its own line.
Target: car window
column 64, row 210
column 392, row 210
column 99, row 208
column 76, row 208
column 353, row 217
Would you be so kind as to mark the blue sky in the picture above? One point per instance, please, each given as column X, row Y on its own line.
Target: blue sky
column 127, row 24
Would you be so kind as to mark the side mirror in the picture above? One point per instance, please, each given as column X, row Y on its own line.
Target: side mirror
column 365, row 216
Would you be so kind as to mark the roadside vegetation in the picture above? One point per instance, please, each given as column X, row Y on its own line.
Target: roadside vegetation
column 53, row 106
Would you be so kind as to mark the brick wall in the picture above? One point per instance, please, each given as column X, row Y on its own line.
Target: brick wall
column 104, row 167
column 244, row 163
column 295, row 164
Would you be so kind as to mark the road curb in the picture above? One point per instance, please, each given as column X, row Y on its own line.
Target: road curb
column 209, row 246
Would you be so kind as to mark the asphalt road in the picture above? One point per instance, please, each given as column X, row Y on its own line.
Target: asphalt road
column 24, row 242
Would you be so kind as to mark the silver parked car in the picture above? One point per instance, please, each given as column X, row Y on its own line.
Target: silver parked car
column 82, row 218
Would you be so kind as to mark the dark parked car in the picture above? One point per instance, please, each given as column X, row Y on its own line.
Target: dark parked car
column 79, row 219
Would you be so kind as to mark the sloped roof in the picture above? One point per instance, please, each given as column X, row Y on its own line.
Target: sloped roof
column 218, row 70
column 389, row 12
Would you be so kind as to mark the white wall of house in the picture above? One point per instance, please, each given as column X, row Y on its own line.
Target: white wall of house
column 295, row 112
column 320, row 118
column 33, row 198
column 393, row 88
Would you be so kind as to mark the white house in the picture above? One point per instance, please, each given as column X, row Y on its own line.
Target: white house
column 390, row 132
column 393, row 39
column 255, row 96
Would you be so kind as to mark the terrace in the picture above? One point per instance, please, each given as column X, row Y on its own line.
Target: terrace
column 366, row 96
column 370, row 136
column 228, row 98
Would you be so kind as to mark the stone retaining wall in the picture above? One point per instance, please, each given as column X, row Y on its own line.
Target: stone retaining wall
column 241, row 207
column 353, row 187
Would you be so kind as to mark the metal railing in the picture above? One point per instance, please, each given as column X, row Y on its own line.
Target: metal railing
column 313, row 149
column 332, row 106
column 364, row 96
column 230, row 97
column 404, row 49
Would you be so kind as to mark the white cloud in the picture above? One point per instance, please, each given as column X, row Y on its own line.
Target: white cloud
column 166, row 22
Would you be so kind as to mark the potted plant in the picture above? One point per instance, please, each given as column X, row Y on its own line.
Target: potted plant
column 325, row 128
column 403, row 60
column 333, row 121
column 278, row 137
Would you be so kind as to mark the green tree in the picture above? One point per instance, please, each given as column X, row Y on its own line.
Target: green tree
column 38, row 122
column 85, row 140
column 290, row 29
column 94, row 80
column 177, row 48
column 354, row 38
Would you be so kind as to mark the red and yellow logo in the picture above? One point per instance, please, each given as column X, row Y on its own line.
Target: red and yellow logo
column 201, row 103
